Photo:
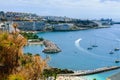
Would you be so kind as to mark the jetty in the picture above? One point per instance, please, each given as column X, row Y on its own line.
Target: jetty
column 50, row 47
column 90, row 72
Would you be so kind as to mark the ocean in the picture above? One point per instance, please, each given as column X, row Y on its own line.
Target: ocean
column 75, row 54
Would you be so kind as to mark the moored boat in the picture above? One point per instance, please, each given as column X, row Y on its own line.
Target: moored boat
column 116, row 49
column 89, row 48
column 111, row 52
column 117, row 61
column 94, row 46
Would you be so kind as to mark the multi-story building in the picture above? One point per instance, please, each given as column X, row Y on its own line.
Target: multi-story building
column 63, row 26
column 18, row 16
column 31, row 26
column 6, row 27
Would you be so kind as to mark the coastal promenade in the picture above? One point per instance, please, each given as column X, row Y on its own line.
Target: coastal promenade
column 70, row 78
column 89, row 72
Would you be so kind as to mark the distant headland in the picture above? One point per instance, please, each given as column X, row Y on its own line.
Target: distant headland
column 34, row 22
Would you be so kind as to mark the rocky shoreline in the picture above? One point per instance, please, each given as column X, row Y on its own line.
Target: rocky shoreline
column 50, row 47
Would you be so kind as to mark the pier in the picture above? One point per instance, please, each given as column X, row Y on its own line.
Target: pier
column 90, row 72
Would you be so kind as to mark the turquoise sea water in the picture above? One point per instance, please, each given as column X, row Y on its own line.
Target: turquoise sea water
column 75, row 55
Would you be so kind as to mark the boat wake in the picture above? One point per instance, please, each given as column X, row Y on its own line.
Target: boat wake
column 77, row 44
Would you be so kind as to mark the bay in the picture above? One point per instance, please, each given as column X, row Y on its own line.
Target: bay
column 75, row 54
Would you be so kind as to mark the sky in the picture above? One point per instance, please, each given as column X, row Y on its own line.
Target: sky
column 85, row 9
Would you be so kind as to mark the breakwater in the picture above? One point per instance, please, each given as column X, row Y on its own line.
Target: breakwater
column 90, row 72
column 50, row 47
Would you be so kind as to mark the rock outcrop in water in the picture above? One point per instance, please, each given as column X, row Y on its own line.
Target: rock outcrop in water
column 50, row 47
